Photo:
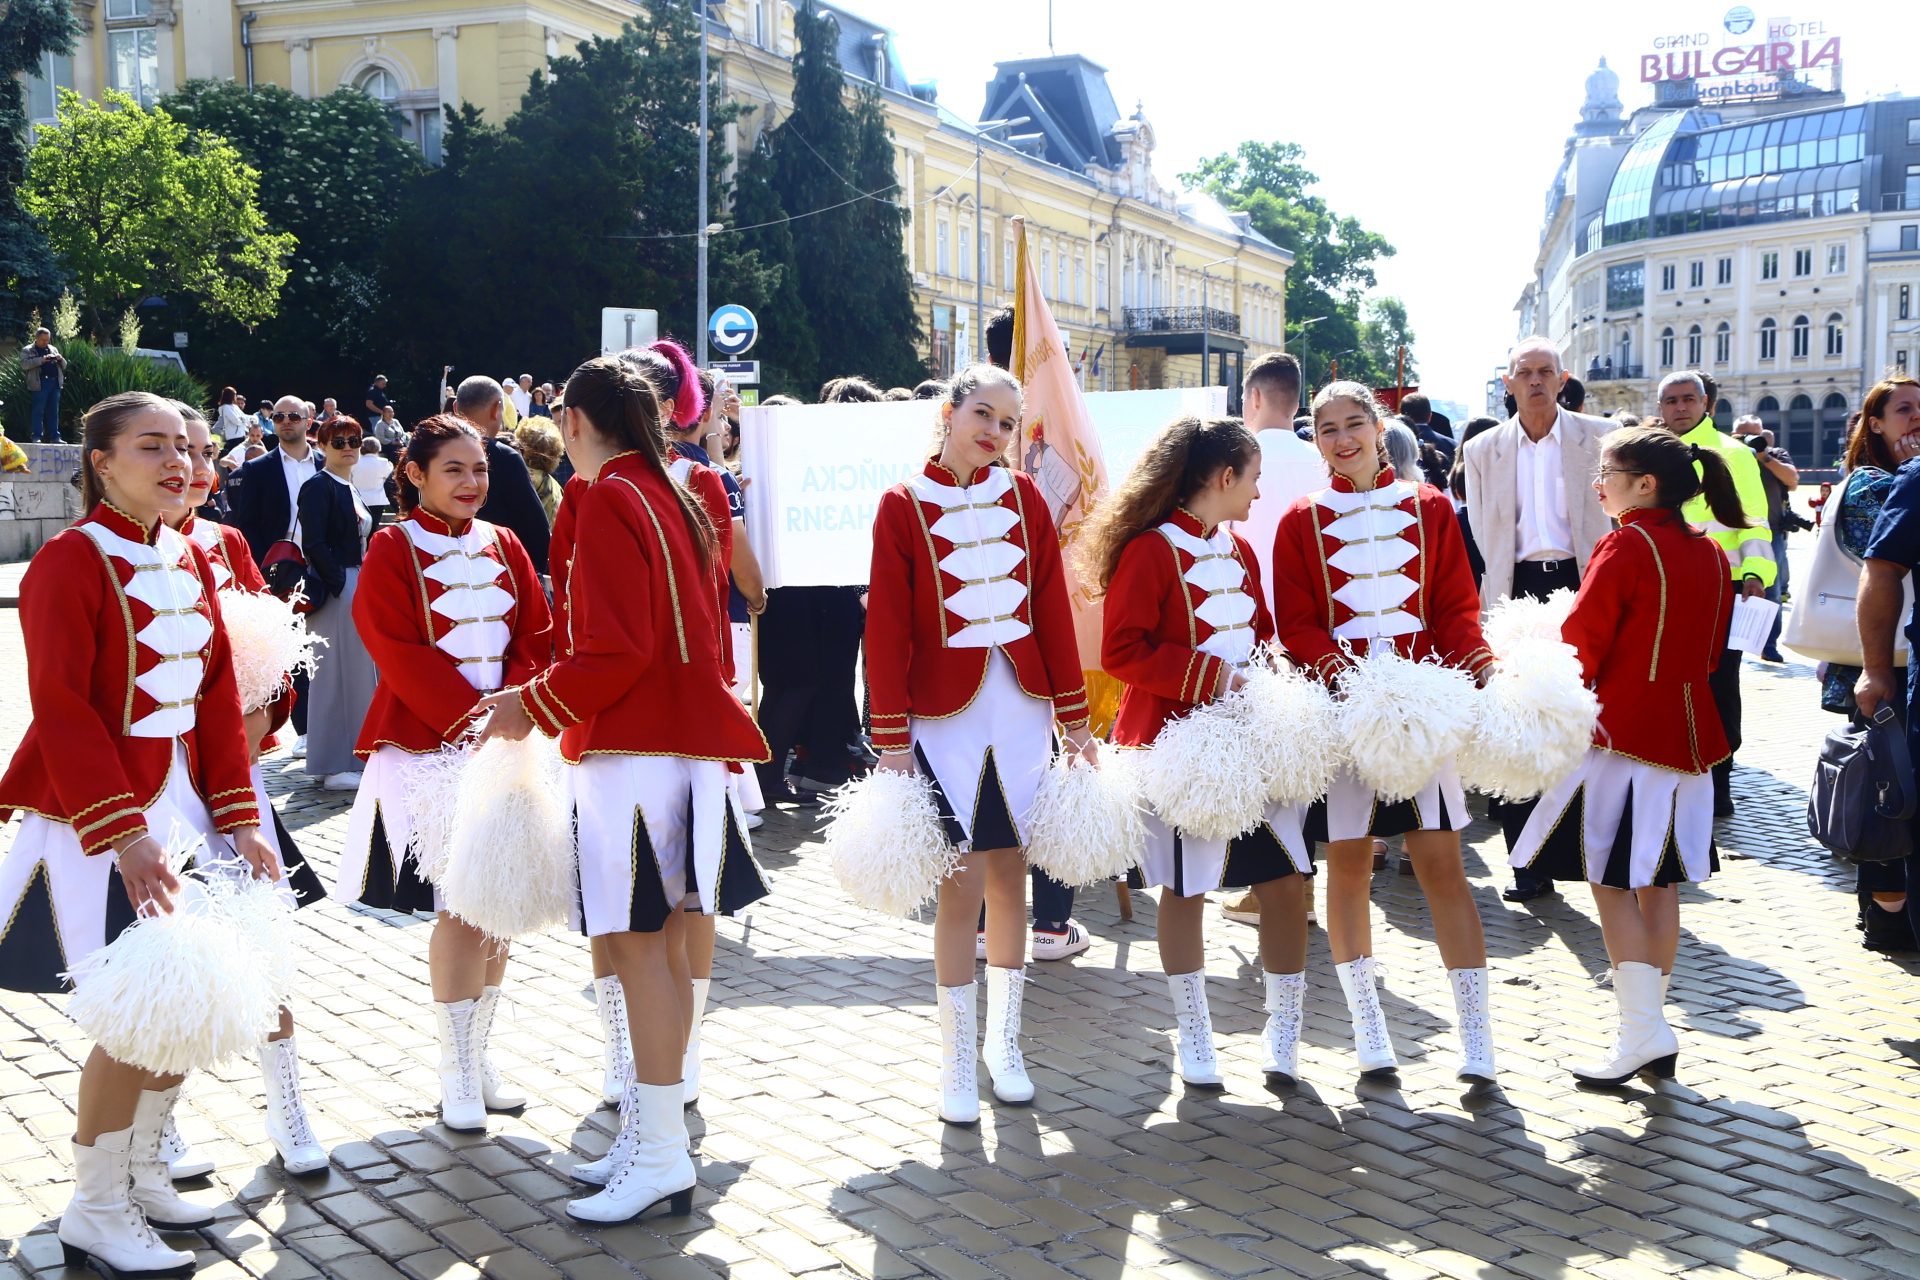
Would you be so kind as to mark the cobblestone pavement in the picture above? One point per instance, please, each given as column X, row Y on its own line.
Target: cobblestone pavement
column 1789, row 1144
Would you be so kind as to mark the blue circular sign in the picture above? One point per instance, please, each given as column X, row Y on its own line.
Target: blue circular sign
column 731, row 330
column 1739, row 20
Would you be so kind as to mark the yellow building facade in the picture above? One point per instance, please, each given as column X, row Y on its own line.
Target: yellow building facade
column 1141, row 277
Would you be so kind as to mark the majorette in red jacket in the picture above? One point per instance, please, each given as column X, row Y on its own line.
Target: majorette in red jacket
column 1649, row 624
column 1384, row 565
column 227, row 554
column 959, row 571
column 704, row 482
column 1184, row 605
column 125, row 652
column 446, row 615
column 640, row 673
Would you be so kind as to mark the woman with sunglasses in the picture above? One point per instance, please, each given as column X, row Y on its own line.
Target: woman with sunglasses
column 334, row 526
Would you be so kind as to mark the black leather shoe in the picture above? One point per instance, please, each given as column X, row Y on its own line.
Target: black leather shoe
column 1723, row 806
column 784, row 794
column 1528, row 892
column 1885, row 930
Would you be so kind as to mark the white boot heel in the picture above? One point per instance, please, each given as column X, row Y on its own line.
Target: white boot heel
column 461, row 1107
column 287, row 1126
column 1280, row 1042
column 1476, row 1024
column 151, row 1183
column 103, row 1223
column 690, row 1065
column 1193, row 1055
column 1005, row 1067
column 652, row 1161
column 1371, row 1043
column 611, row 1001
column 1644, row 1041
column 495, row 1092
column 959, row 1086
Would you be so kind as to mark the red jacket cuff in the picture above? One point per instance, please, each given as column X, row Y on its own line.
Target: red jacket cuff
column 111, row 825
column 1071, row 709
column 544, row 707
column 1202, row 678
column 890, row 731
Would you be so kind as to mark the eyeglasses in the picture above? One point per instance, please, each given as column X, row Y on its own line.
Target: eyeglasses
column 344, row 442
column 289, row 417
column 1604, row 472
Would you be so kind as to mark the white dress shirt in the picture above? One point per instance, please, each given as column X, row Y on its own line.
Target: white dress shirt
column 296, row 472
column 1290, row 469
column 1541, row 481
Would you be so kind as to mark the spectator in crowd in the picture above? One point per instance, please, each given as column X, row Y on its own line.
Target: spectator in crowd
column 1534, row 515
column 329, row 410
column 771, row 401
column 1000, row 338
column 1573, row 394
column 1685, row 403
column 391, row 436
column 1778, row 478
column 46, row 370
column 511, row 499
column 376, row 398
column 231, row 420
column 850, row 391
column 370, row 479
column 334, row 527
column 931, row 389
column 523, row 395
column 540, row 445
column 1417, row 409
column 235, row 456
column 897, row 393
column 1885, row 435
column 537, row 406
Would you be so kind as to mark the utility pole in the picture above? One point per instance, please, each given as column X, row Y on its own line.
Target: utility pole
column 1303, row 348
column 977, row 345
column 700, row 269
column 1206, row 320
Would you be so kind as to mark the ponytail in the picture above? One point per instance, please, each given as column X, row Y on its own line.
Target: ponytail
column 623, row 406
column 1657, row 452
column 671, row 370
column 1716, row 481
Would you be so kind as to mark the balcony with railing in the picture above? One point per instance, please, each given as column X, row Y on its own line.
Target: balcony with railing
column 1181, row 320
column 1897, row 201
column 1613, row 372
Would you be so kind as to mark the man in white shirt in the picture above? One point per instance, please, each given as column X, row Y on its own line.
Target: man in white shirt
column 1290, row 468
column 1535, row 515
column 521, row 392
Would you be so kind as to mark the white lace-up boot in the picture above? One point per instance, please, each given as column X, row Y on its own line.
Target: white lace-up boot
column 596, row 1172
column 287, row 1125
column 1280, row 1042
column 611, row 1001
column 1644, row 1041
column 651, row 1160
column 152, row 1184
column 1005, row 1066
column 959, row 1087
column 103, row 1223
column 461, row 1107
column 1371, row 1043
column 690, row 1065
column 495, row 1092
column 1476, row 1024
column 1193, row 1029
column 182, row 1158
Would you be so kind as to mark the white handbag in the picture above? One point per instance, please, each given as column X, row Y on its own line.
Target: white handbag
column 1822, row 625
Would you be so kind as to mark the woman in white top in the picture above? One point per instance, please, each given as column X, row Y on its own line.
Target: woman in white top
column 232, row 418
column 370, row 479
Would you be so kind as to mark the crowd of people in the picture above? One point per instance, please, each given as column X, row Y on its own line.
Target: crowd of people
column 572, row 561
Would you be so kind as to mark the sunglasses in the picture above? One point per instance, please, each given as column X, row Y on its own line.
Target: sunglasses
column 289, row 417
column 344, row 442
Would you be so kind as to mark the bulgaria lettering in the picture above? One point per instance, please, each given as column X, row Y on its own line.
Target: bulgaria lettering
column 1768, row 59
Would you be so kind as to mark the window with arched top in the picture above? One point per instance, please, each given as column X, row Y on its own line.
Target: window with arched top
column 1693, row 347
column 379, row 84
column 1666, row 348
column 1836, row 334
column 1802, row 337
column 1833, row 429
column 1723, row 343
column 1800, row 423
column 1768, row 411
column 1769, row 339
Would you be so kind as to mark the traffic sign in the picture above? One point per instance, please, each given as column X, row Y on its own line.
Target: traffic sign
column 624, row 327
column 731, row 331
column 738, row 372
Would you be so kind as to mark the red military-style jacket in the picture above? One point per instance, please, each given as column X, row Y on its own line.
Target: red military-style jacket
column 1357, row 568
column 1649, row 624
column 1184, row 605
column 704, row 482
column 227, row 554
column 446, row 614
column 957, row 572
column 125, row 652
column 639, row 671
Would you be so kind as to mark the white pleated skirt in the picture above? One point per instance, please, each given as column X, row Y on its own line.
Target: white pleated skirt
column 746, row 783
column 653, row 834
column 1276, row 846
column 375, row 868
column 987, row 760
column 62, row 905
column 1623, row 823
column 1352, row 811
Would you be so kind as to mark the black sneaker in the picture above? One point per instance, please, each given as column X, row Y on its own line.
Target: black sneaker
column 781, row 793
column 1885, row 930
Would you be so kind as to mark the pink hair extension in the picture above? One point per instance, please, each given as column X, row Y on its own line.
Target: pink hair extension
column 690, row 402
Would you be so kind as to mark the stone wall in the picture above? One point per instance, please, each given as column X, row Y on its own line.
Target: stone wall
column 40, row 502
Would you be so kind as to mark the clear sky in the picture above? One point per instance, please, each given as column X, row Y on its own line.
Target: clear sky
column 1437, row 125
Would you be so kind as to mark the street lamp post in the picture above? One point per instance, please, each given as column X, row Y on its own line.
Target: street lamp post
column 1206, row 325
column 979, row 247
column 1303, row 339
column 700, row 266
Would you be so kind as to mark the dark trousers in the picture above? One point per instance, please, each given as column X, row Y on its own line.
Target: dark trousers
column 1532, row 580
column 299, row 716
column 1778, row 591
column 1724, row 684
column 1052, row 901
column 43, row 419
column 809, row 652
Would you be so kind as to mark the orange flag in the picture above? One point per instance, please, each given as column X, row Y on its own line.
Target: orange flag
column 1059, row 449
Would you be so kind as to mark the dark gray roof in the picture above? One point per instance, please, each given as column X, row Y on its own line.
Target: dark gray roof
column 867, row 50
column 1070, row 105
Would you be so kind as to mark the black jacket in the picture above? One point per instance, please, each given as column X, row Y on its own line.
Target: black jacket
column 512, row 501
column 259, row 506
column 329, row 535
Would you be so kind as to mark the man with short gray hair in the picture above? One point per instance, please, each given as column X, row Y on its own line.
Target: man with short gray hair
column 512, row 501
column 46, row 370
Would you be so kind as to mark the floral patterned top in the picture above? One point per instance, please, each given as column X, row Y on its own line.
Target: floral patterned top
column 1861, row 498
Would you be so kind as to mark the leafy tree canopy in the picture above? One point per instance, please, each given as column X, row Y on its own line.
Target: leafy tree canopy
column 136, row 203
column 29, row 277
column 1383, row 333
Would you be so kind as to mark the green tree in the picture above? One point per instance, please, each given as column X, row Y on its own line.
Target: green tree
column 136, row 203
column 332, row 171
column 1383, row 333
column 789, row 357
column 500, row 260
column 29, row 276
column 1333, row 255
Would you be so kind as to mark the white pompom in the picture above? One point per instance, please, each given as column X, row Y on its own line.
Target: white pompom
column 262, row 910
column 1085, row 824
column 886, row 842
column 430, row 791
column 1536, row 722
column 1522, row 617
column 1198, row 775
column 1294, row 733
column 179, row 992
column 269, row 642
column 510, row 867
column 1403, row 720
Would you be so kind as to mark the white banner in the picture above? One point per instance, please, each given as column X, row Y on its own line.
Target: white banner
column 818, row 470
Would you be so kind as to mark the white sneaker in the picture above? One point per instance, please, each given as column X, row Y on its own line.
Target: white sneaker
column 300, row 745
column 349, row 781
column 1058, row 946
column 751, row 821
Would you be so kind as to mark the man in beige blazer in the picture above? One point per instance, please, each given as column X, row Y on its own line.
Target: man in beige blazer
column 1534, row 513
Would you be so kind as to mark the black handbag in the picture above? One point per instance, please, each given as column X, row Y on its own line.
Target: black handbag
column 1862, row 802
